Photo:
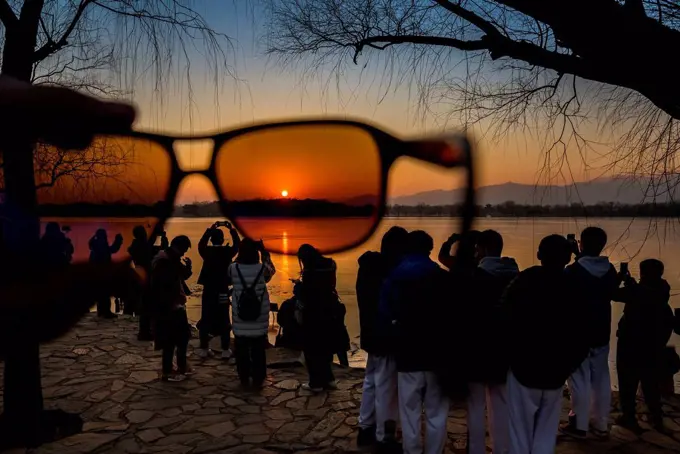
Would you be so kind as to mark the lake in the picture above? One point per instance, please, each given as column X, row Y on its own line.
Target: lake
column 629, row 240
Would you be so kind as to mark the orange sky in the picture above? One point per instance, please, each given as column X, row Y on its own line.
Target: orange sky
column 316, row 162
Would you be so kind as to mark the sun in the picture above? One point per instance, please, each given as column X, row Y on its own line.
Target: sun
column 284, row 193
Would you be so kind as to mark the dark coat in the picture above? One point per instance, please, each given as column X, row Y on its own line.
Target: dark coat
column 142, row 253
column 317, row 300
column 647, row 322
column 542, row 347
column 168, row 274
column 372, row 272
column 412, row 298
column 482, row 319
column 593, row 282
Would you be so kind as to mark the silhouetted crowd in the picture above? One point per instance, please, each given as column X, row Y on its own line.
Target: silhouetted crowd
column 477, row 329
column 506, row 341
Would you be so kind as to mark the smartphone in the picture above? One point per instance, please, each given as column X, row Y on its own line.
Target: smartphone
column 571, row 236
column 624, row 267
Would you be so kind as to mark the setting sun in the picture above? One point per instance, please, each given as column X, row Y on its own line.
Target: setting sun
column 284, row 193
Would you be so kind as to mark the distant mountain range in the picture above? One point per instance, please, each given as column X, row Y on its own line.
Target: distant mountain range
column 619, row 190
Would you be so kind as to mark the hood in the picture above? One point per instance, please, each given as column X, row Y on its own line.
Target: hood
column 499, row 266
column 370, row 259
column 595, row 266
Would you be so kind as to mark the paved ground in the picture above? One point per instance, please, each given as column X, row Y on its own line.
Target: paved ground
column 102, row 372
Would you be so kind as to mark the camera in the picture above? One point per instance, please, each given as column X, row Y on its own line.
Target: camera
column 623, row 268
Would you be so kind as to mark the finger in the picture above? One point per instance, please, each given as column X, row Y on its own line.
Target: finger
column 64, row 297
column 59, row 115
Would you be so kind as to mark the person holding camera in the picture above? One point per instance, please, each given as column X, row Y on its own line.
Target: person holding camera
column 214, row 278
column 593, row 283
column 643, row 332
column 142, row 253
column 448, row 259
column 250, row 309
column 169, row 270
column 101, row 252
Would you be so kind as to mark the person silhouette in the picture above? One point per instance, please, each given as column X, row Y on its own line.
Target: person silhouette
column 56, row 250
column 142, row 253
column 101, row 252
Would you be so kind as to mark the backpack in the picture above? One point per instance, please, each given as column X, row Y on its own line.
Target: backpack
column 249, row 304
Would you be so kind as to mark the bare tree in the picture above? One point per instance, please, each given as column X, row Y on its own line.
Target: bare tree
column 554, row 69
column 106, row 48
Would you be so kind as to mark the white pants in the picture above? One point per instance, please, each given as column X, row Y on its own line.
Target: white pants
column 418, row 391
column 367, row 409
column 386, row 399
column 590, row 388
column 493, row 396
column 534, row 418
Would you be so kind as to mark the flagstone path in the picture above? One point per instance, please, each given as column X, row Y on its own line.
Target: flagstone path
column 102, row 372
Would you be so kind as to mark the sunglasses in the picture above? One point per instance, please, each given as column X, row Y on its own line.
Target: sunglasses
column 322, row 182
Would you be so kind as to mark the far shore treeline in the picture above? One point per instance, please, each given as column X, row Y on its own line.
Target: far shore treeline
column 507, row 209
column 323, row 208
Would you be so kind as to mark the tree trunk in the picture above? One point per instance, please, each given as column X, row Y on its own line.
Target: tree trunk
column 23, row 419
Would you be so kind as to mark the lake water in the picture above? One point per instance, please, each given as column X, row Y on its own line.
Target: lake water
column 629, row 240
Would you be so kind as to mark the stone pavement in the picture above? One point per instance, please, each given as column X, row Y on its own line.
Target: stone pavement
column 102, row 372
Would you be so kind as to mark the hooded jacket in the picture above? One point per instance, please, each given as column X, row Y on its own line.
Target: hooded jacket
column 539, row 318
column 593, row 283
column 483, row 320
column 647, row 321
column 411, row 300
column 168, row 274
column 372, row 272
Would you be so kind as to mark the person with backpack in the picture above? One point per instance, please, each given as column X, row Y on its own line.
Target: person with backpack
column 317, row 312
column 168, row 273
column 593, row 283
column 412, row 296
column 487, row 366
column 214, row 279
column 379, row 402
column 643, row 332
column 539, row 316
column 250, row 273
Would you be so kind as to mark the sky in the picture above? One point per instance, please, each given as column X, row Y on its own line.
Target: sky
column 266, row 91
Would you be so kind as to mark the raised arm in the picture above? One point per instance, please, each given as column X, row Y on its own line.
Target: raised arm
column 235, row 239
column 445, row 257
column 117, row 244
column 203, row 242
column 626, row 294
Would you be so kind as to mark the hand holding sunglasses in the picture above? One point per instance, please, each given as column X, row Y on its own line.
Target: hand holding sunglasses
column 275, row 181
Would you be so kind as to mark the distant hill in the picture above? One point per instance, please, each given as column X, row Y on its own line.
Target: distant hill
column 589, row 193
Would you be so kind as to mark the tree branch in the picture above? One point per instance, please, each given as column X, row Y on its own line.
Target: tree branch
column 7, row 16
column 51, row 46
column 429, row 40
column 482, row 24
